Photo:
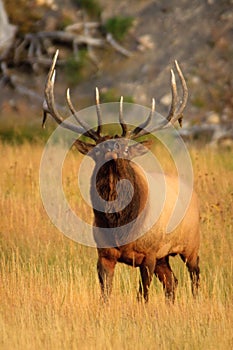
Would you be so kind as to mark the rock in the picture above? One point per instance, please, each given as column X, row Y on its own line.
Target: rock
column 145, row 43
column 166, row 99
column 213, row 118
column 226, row 114
column 195, row 80
column 50, row 3
column 226, row 142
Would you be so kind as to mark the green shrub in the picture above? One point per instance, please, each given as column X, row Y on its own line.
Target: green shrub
column 111, row 95
column 118, row 26
column 24, row 133
column 91, row 6
column 74, row 67
column 24, row 15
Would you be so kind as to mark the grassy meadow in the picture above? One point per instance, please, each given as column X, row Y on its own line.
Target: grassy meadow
column 49, row 291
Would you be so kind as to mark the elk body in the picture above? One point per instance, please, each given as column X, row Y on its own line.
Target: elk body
column 150, row 252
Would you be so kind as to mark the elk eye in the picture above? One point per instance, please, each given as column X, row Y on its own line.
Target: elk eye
column 97, row 150
column 116, row 145
column 126, row 151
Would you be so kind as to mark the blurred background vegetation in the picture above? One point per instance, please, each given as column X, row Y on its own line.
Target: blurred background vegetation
column 135, row 45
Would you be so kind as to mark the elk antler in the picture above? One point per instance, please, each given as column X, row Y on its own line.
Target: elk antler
column 49, row 107
column 175, row 112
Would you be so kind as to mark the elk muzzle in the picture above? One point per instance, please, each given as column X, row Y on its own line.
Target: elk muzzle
column 111, row 155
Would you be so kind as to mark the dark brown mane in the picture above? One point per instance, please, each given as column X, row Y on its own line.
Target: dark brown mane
column 107, row 179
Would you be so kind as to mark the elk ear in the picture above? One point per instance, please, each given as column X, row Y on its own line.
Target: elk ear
column 83, row 147
column 140, row 148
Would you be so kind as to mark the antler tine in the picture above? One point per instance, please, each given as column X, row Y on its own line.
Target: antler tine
column 139, row 130
column 121, row 119
column 49, row 103
column 89, row 132
column 185, row 92
column 175, row 112
column 98, row 111
column 174, row 96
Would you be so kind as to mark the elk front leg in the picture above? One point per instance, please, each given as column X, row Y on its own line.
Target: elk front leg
column 146, row 270
column 105, row 268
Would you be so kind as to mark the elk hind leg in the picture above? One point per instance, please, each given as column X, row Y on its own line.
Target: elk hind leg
column 192, row 264
column 165, row 274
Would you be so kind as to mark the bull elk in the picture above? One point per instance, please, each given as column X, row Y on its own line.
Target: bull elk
column 150, row 251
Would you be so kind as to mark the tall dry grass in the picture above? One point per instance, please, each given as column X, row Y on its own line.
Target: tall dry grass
column 49, row 291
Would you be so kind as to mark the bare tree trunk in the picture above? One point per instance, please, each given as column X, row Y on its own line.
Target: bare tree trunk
column 7, row 32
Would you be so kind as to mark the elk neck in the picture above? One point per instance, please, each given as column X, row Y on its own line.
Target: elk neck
column 130, row 196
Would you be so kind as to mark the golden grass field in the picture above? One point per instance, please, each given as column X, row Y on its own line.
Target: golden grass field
column 50, row 296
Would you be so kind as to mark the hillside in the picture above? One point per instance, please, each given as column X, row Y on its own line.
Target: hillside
column 198, row 34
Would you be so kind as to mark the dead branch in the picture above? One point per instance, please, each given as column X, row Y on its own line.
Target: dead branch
column 67, row 37
column 117, row 46
column 77, row 27
column 11, row 80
